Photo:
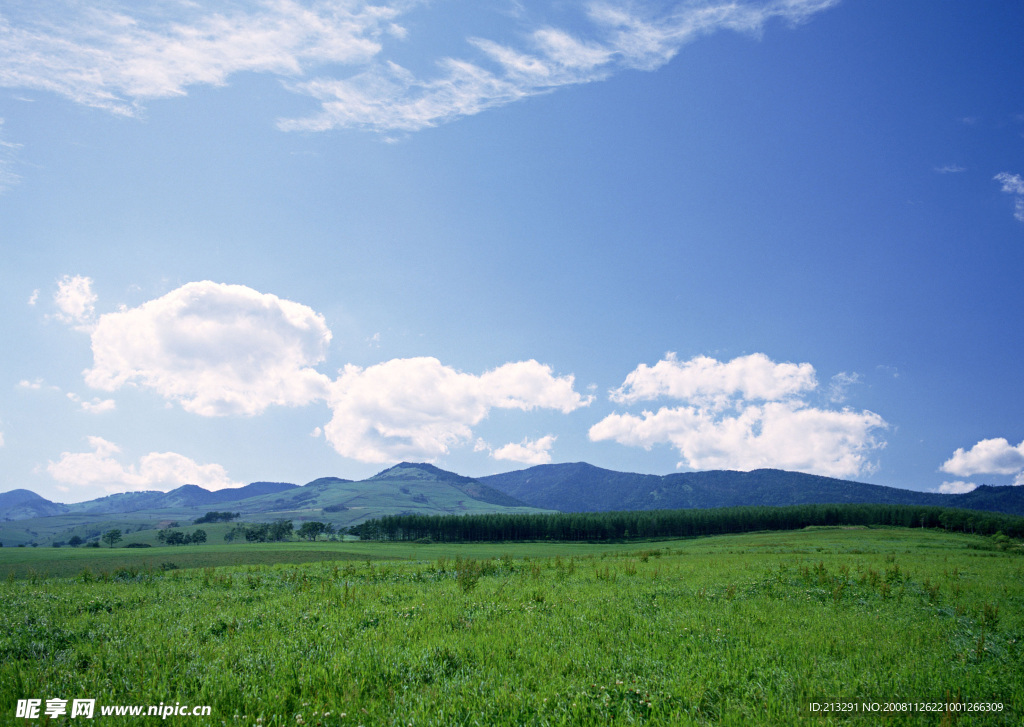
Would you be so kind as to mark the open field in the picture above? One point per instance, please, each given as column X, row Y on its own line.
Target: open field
column 740, row 629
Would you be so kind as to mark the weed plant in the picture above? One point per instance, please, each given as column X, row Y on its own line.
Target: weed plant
column 730, row 630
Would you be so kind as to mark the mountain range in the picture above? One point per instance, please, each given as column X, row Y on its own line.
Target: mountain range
column 581, row 487
column 406, row 488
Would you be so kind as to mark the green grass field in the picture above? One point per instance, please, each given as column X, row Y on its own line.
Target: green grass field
column 731, row 630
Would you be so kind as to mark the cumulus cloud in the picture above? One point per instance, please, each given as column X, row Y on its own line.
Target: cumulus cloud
column 957, row 488
column 75, row 301
column 713, row 382
column 989, row 456
column 118, row 55
column 529, row 451
column 1013, row 184
column 743, row 414
column 155, row 471
column 216, row 349
column 420, row 408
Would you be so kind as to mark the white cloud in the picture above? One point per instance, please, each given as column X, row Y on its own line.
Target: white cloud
column 950, row 169
column 154, row 471
column 75, row 301
column 957, row 488
column 389, row 97
column 1013, row 184
column 989, row 456
column 34, row 298
column 709, row 381
column 528, row 451
column 743, row 414
column 96, row 406
column 839, row 384
column 217, row 349
column 7, row 177
column 118, row 55
column 419, row 408
column 115, row 57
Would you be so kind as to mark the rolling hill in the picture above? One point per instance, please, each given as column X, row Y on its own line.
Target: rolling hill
column 409, row 488
column 24, row 504
column 405, row 488
column 581, row 487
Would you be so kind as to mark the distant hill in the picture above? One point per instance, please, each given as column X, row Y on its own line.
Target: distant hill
column 423, row 489
column 25, row 504
column 404, row 488
column 581, row 487
column 419, row 473
column 186, row 496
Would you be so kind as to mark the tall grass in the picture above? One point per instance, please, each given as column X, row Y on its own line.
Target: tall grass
column 729, row 630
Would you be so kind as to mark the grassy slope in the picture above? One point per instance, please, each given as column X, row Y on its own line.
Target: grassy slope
column 733, row 630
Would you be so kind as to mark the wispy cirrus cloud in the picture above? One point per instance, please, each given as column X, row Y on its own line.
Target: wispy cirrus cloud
column 118, row 55
column 747, row 413
column 839, row 384
column 7, row 149
column 1013, row 184
column 615, row 37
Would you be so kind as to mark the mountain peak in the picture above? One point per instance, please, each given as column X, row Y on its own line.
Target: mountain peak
column 419, row 471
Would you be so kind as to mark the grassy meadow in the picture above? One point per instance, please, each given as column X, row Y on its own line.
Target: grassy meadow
column 726, row 630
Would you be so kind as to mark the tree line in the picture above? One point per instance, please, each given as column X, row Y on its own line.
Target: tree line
column 279, row 530
column 632, row 524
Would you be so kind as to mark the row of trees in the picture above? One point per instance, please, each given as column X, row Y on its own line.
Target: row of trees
column 280, row 530
column 678, row 523
column 216, row 517
column 177, row 537
column 261, row 532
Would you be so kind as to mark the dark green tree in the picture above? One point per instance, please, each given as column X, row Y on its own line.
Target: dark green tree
column 112, row 536
column 312, row 529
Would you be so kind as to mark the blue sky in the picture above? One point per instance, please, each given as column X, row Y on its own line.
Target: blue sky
column 282, row 240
